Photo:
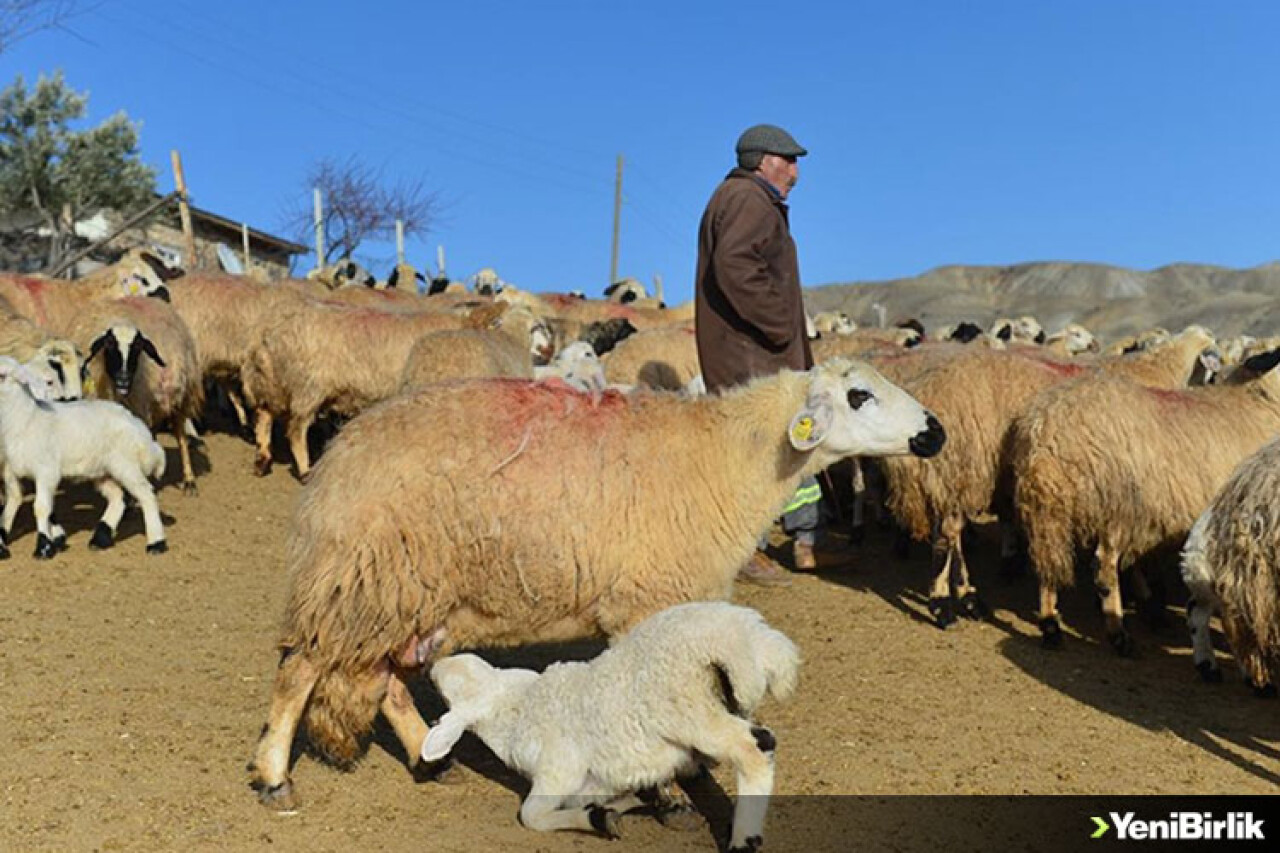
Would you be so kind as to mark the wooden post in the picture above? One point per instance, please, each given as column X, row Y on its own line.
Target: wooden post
column 399, row 242
column 184, row 212
column 657, row 287
column 440, row 260
column 617, row 215
column 248, row 259
column 319, row 220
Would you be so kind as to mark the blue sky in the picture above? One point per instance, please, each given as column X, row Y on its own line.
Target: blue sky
column 1131, row 132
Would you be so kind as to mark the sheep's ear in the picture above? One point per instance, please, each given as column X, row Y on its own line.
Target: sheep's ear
column 1263, row 362
column 442, row 737
column 811, row 424
column 1005, row 332
column 150, row 349
column 8, row 366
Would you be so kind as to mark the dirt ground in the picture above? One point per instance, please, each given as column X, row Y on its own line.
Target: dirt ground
column 133, row 687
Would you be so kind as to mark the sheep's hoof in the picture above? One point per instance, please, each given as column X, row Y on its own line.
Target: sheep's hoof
column 103, row 537
column 943, row 612
column 446, row 771
column 751, row 845
column 279, row 797
column 261, row 467
column 1123, row 643
column 606, row 822
column 682, row 817
column 1209, row 673
column 1050, row 633
column 189, row 487
column 972, row 607
column 1266, row 691
column 60, row 543
column 158, row 547
column 45, row 549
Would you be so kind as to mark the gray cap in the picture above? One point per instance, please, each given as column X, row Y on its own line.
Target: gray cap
column 767, row 139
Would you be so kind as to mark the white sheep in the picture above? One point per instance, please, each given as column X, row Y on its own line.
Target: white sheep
column 578, row 366
column 399, row 551
column 90, row 440
column 1231, row 564
column 678, row 689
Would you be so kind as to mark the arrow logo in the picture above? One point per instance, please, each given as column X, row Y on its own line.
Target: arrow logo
column 1102, row 828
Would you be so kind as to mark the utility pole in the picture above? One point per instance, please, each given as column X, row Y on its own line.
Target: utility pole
column 617, row 216
column 319, row 223
column 192, row 262
column 399, row 242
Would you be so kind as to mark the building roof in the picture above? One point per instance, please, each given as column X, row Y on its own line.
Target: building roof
column 210, row 218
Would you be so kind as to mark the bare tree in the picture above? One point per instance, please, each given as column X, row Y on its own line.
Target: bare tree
column 360, row 205
column 21, row 18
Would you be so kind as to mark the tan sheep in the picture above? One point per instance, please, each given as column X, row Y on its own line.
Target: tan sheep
column 664, row 359
column 1231, row 564
column 452, row 518
column 165, row 396
column 1072, row 340
column 316, row 357
column 498, row 341
column 26, row 342
column 54, row 303
column 1119, row 468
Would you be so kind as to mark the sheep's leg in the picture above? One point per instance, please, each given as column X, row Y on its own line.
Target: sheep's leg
column 542, row 810
column 12, row 500
column 104, row 534
column 1050, row 627
column 858, row 526
column 941, row 607
column 750, row 749
column 237, row 405
column 960, row 589
column 140, row 489
column 262, row 423
column 401, row 712
column 299, row 424
column 1106, row 580
column 269, row 769
column 45, row 547
column 1251, row 659
column 184, row 452
column 1199, row 611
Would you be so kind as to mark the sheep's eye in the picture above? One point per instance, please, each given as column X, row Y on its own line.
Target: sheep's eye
column 858, row 396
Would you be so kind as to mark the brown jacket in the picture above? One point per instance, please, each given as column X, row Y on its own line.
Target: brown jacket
column 749, row 308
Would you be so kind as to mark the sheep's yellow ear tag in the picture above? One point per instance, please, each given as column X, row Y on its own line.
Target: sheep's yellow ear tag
column 809, row 428
column 87, row 386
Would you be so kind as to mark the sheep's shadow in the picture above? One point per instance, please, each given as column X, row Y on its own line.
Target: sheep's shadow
column 78, row 507
column 708, row 797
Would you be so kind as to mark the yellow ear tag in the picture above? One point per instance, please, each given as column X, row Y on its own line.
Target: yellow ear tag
column 802, row 429
column 87, row 385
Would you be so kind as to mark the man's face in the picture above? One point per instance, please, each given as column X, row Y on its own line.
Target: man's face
column 781, row 172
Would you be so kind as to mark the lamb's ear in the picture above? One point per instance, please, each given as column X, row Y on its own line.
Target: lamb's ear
column 8, row 366
column 443, row 735
column 150, row 349
column 811, row 424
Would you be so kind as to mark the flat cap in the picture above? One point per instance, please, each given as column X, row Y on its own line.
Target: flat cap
column 768, row 139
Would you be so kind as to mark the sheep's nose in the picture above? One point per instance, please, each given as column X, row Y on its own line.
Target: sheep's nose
column 929, row 441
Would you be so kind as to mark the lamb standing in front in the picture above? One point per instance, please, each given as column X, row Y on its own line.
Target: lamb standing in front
column 492, row 542
column 82, row 440
column 679, row 688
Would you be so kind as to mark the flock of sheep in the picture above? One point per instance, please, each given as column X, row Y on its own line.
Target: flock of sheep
column 485, row 436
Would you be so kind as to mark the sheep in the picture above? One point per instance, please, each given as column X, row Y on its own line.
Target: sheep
column 24, row 341
column 578, row 366
column 410, row 276
column 680, row 688
column 398, row 551
column 497, row 342
column 626, row 290
column 1229, row 564
column 1137, row 343
column 165, row 387
column 54, row 304
column 979, row 393
column 1024, row 330
column 863, row 341
column 553, row 305
column 1071, row 340
column 81, row 440
column 833, row 322
column 664, row 359
column 486, row 282
column 315, row 356
column 603, row 335
column 1122, row 469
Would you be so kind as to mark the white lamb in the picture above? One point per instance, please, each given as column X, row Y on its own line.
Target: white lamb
column 91, row 440
column 679, row 688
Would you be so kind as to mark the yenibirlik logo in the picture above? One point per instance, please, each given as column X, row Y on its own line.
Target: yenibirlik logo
column 1182, row 826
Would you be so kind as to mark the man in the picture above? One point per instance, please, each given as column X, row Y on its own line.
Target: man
column 749, row 310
